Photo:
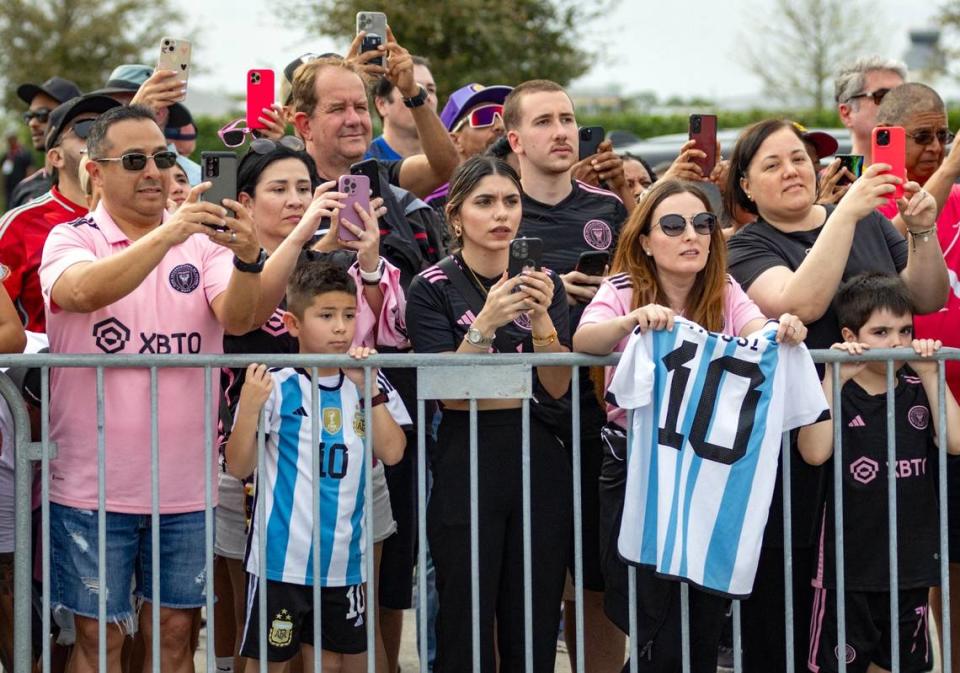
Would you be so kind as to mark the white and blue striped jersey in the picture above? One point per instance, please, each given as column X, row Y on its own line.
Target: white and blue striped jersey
column 702, row 458
column 287, row 482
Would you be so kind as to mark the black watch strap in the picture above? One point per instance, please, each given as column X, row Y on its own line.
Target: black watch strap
column 418, row 100
column 379, row 398
column 251, row 267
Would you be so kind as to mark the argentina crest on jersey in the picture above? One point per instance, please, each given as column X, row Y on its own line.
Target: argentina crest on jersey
column 704, row 448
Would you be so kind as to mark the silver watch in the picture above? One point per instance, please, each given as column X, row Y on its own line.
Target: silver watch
column 475, row 337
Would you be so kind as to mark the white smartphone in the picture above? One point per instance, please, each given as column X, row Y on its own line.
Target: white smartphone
column 175, row 55
column 373, row 23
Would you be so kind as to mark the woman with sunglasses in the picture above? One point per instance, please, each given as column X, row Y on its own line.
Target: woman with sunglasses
column 792, row 259
column 670, row 261
column 276, row 181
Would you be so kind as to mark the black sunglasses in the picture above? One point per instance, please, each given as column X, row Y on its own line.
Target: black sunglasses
column 41, row 114
column 137, row 161
column 267, row 145
column 877, row 95
column 674, row 224
column 81, row 129
column 926, row 136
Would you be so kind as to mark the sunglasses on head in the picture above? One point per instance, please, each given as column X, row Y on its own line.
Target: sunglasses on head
column 233, row 134
column 674, row 224
column 137, row 161
column 876, row 96
column 926, row 136
column 267, row 145
column 482, row 117
column 41, row 114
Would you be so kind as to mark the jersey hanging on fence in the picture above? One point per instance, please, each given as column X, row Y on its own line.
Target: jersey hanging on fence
column 710, row 410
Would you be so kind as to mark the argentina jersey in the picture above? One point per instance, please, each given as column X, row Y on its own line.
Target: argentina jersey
column 287, row 482
column 709, row 412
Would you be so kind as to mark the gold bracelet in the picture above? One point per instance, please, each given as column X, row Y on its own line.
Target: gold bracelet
column 544, row 341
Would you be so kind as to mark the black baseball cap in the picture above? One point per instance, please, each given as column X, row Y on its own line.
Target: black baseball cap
column 58, row 88
column 64, row 113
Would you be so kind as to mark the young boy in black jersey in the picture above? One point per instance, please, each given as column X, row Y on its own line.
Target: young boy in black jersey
column 875, row 311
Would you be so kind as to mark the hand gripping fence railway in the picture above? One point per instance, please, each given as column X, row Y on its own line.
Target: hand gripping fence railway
column 467, row 377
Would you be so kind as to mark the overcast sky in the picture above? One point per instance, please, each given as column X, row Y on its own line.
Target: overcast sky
column 681, row 47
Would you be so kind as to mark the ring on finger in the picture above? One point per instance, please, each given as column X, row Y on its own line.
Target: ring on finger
column 233, row 237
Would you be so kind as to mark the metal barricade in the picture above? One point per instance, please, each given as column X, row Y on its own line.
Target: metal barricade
column 468, row 377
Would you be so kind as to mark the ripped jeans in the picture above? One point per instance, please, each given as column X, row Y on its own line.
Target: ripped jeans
column 73, row 562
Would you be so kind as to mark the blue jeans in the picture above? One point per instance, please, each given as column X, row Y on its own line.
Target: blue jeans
column 74, row 561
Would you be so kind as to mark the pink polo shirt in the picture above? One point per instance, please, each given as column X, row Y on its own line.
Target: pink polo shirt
column 168, row 313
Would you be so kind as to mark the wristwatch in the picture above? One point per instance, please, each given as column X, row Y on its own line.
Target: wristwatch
column 475, row 337
column 418, row 100
column 251, row 267
column 379, row 398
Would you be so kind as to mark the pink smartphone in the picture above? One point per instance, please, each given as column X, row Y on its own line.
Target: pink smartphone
column 889, row 146
column 259, row 95
column 357, row 189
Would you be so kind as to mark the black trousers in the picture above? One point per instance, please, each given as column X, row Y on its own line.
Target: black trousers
column 500, row 541
column 659, row 639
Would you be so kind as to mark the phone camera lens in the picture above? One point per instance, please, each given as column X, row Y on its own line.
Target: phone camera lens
column 695, row 124
column 255, row 77
column 883, row 137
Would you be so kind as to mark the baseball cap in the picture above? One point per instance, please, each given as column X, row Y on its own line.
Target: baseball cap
column 469, row 96
column 286, row 84
column 64, row 113
column 823, row 142
column 129, row 77
column 58, row 88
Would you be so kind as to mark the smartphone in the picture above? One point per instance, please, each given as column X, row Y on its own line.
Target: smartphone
column 372, row 23
column 357, row 189
column 175, row 55
column 370, row 168
column 525, row 254
column 260, row 91
column 703, row 130
column 220, row 168
column 853, row 163
column 889, row 146
column 371, row 43
column 593, row 262
column 590, row 139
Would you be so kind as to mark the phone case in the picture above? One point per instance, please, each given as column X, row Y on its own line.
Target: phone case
column 590, row 138
column 260, row 89
column 703, row 129
column 893, row 151
column 524, row 253
column 593, row 262
column 357, row 189
column 371, row 169
column 372, row 23
column 175, row 55
column 220, row 168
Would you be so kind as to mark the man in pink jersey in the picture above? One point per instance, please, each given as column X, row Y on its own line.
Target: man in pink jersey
column 922, row 114
column 118, row 282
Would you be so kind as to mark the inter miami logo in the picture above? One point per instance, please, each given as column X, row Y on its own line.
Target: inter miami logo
column 111, row 335
column 919, row 417
column 185, row 278
column 597, row 234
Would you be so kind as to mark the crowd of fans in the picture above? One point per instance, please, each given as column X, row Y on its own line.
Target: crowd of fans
column 112, row 248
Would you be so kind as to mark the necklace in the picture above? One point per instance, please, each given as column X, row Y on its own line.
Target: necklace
column 476, row 280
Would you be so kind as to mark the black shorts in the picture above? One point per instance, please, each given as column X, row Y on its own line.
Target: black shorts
column 953, row 508
column 290, row 618
column 868, row 631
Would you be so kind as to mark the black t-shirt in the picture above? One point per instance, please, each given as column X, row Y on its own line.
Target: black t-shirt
column 876, row 246
column 438, row 317
column 589, row 218
column 865, row 527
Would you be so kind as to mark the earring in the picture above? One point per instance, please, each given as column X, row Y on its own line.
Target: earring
column 649, row 254
column 750, row 196
column 457, row 230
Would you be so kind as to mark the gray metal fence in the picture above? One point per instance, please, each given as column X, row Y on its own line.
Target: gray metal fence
column 469, row 377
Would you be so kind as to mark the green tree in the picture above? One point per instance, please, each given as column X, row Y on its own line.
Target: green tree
column 795, row 46
column 949, row 47
column 82, row 40
column 487, row 41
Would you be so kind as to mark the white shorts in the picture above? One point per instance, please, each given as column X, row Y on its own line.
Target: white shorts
column 230, row 540
column 383, row 523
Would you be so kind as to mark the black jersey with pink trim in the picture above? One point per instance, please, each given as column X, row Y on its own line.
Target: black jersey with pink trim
column 864, row 457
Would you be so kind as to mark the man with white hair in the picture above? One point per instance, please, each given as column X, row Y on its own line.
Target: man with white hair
column 859, row 88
